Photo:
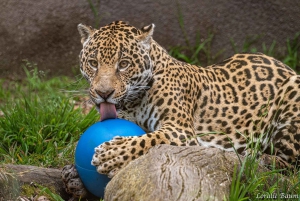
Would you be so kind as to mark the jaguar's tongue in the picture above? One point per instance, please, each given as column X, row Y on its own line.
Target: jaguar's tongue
column 107, row 111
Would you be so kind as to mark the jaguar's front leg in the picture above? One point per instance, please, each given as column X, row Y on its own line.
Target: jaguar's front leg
column 111, row 156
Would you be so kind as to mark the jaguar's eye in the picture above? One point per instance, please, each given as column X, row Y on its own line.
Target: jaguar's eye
column 123, row 64
column 93, row 63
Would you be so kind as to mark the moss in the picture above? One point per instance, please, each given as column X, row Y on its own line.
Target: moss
column 33, row 190
column 28, row 190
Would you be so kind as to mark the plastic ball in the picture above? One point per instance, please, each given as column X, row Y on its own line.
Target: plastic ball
column 94, row 136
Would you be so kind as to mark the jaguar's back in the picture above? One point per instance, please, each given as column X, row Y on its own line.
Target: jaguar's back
column 239, row 93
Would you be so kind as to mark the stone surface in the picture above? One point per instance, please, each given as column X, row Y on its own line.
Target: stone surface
column 175, row 173
column 44, row 32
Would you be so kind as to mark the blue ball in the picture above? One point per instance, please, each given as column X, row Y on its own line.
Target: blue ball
column 94, row 136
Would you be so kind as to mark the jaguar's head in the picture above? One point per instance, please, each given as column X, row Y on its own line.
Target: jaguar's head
column 116, row 62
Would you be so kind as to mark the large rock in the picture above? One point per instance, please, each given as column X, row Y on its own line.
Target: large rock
column 175, row 173
column 45, row 32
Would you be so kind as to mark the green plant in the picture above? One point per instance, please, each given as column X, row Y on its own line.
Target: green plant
column 269, row 51
column 39, row 129
column 248, row 177
column 200, row 52
column 251, row 182
column 292, row 58
column 95, row 7
column 4, row 94
column 40, row 124
column 194, row 54
column 248, row 45
column 50, row 194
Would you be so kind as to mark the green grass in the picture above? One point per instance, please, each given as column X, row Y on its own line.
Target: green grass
column 95, row 7
column 40, row 125
column 251, row 181
column 197, row 53
column 292, row 57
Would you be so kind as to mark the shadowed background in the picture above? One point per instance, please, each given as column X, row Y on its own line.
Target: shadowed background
column 45, row 32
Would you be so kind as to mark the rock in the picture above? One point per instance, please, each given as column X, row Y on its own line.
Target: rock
column 175, row 173
column 44, row 32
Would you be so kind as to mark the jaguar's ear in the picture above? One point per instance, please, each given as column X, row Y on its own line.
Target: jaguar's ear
column 85, row 32
column 145, row 37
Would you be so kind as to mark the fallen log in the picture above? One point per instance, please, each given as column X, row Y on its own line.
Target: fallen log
column 12, row 177
column 175, row 173
column 165, row 173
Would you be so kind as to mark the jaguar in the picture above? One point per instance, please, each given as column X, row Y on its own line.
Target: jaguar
column 247, row 98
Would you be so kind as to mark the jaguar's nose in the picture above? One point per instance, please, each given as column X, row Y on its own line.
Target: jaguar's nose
column 105, row 94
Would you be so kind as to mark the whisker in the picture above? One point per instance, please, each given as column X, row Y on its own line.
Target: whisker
column 75, row 91
column 131, row 97
column 88, row 101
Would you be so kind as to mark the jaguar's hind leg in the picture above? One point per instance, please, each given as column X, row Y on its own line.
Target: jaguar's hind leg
column 283, row 133
column 271, row 161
